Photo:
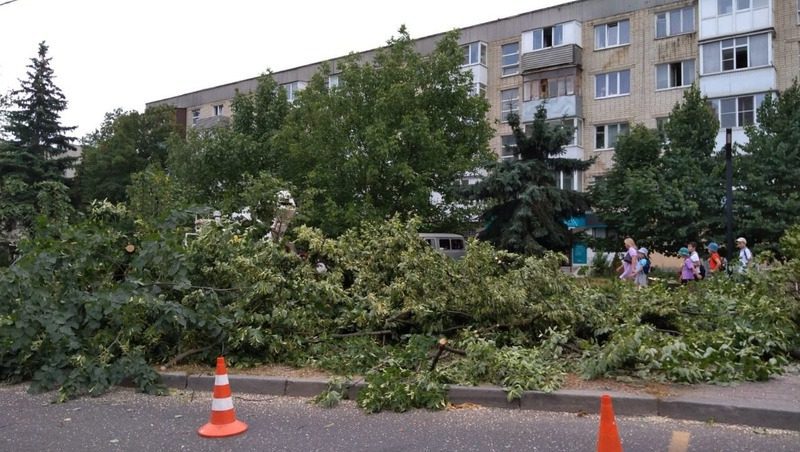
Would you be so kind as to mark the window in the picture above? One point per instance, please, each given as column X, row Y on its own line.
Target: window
column 675, row 22
column 509, row 143
column 724, row 7
column 474, row 53
column 569, row 180
column 798, row 12
column 291, row 90
column 333, row 81
column 218, row 110
column 605, row 137
column 509, row 103
column 478, row 89
column 195, row 116
column 574, row 126
column 736, row 53
column 612, row 34
column 737, row 111
column 510, row 63
column 742, row 5
column 547, row 88
column 544, row 38
column 612, row 84
column 673, row 75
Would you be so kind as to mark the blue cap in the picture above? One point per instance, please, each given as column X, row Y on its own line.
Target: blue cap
column 683, row 251
column 713, row 247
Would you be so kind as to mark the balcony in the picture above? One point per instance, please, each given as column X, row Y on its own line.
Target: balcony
column 744, row 81
column 566, row 55
column 557, row 107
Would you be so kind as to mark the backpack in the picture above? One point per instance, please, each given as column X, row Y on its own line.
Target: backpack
column 646, row 267
column 702, row 270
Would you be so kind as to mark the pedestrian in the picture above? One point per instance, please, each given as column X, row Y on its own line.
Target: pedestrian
column 628, row 259
column 714, row 260
column 745, row 255
column 642, row 268
column 699, row 268
column 687, row 269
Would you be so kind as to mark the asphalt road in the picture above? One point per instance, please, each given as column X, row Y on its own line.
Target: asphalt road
column 126, row 421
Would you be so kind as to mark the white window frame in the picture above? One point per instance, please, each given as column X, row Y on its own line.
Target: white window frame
column 574, row 123
column 605, row 128
column 510, row 105
column 751, row 5
column 195, row 116
column 556, row 33
column 577, row 180
column 738, row 112
column 667, row 17
column 604, row 29
column 218, row 109
column 333, row 81
column 612, row 79
column 683, row 69
column 507, row 69
column 478, row 89
column 508, row 146
column 474, row 53
column 717, row 47
column 566, row 82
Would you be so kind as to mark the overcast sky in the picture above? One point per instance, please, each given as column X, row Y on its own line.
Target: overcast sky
column 111, row 54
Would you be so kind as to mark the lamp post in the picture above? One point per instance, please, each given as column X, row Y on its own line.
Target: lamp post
column 728, row 193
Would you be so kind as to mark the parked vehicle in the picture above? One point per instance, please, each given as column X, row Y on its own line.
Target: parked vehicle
column 452, row 245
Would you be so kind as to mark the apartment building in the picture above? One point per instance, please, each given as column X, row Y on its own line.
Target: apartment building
column 600, row 66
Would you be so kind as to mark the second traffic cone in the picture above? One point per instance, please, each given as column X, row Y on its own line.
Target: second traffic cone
column 608, row 436
column 223, row 418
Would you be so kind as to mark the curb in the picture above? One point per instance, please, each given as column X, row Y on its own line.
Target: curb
column 567, row 401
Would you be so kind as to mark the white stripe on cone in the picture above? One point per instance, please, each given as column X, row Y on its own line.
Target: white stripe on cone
column 220, row 380
column 222, row 404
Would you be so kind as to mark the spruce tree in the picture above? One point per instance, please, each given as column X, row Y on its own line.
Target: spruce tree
column 527, row 211
column 32, row 157
column 766, row 200
column 37, row 142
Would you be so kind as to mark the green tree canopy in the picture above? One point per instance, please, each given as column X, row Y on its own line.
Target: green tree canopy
column 527, row 211
column 126, row 143
column 767, row 191
column 392, row 132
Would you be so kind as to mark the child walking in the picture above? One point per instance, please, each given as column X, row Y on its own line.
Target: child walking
column 642, row 268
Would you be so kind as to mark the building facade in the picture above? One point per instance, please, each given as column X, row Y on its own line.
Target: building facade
column 600, row 66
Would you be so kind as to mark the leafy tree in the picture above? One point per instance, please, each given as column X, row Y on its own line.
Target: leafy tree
column 527, row 211
column 767, row 198
column 217, row 165
column 34, row 152
column 395, row 130
column 125, row 144
column 666, row 194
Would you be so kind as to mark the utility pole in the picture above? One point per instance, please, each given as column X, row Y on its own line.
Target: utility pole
column 729, row 194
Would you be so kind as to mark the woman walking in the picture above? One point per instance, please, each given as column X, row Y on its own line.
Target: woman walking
column 628, row 259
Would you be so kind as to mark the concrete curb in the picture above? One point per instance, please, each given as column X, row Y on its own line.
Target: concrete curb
column 568, row 401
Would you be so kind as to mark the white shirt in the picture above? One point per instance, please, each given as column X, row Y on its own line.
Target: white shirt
column 745, row 256
column 695, row 257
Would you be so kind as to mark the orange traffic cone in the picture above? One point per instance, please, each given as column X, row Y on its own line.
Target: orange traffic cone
column 223, row 418
column 608, row 437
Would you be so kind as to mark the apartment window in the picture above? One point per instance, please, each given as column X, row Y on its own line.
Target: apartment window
column 333, row 81
column 474, row 53
column 218, row 110
column 673, row 75
column 612, row 34
column 724, row 7
column 743, row 5
column 544, row 38
column 478, row 89
column 195, row 116
column 509, row 143
column 510, row 63
column 737, row 111
column 736, row 53
column 509, row 102
column 547, row 88
column 675, row 22
column 292, row 89
column 569, row 180
column 605, row 137
column 574, row 125
column 612, row 84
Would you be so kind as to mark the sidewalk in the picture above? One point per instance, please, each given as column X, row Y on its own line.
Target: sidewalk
column 771, row 404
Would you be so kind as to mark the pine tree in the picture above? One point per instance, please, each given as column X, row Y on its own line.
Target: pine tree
column 33, row 157
column 527, row 211
column 38, row 142
column 766, row 201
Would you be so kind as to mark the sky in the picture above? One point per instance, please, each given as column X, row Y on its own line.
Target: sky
column 110, row 54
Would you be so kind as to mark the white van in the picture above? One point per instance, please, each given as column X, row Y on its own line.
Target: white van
column 452, row 245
